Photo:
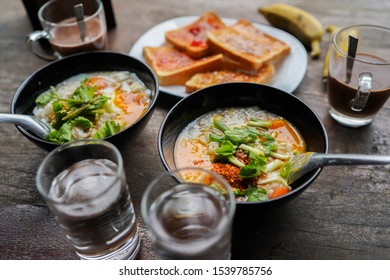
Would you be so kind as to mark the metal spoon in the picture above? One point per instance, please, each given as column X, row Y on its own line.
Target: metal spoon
column 79, row 13
column 303, row 163
column 352, row 48
column 26, row 121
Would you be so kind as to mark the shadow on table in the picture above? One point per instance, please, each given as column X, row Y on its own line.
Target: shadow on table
column 258, row 233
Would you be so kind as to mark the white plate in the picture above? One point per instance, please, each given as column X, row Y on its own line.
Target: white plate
column 289, row 73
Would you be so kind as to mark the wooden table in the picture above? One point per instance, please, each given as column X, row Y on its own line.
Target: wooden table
column 344, row 214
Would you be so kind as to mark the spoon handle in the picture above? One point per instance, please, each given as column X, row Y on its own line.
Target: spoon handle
column 309, row 161
column 350, row 159
column 25, row 121
column 79, row 13
column 14, row 119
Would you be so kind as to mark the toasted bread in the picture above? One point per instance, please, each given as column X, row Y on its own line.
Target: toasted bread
column 173, row 67
column 201, row 80
column 246, row 44
column 192, row 37
column 234, row 65
column 245, row 27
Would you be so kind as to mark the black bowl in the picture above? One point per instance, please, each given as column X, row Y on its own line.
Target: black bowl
column 23, row 101
column 245, row 94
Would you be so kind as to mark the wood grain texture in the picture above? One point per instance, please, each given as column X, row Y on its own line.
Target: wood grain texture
column 344, row 214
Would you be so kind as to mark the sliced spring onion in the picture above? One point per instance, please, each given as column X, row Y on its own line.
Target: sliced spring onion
column 218, row 124
column 235, row 161
column 273, row 165
column 279, row 155
column 259, row 123
column 277, row 179
column 254, row 150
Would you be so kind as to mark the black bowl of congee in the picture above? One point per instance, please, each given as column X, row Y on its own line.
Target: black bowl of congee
column 93, row 95
column 246, row 133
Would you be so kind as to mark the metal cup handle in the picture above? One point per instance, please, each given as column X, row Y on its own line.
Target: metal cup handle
column 31, row 42
column 364, row 90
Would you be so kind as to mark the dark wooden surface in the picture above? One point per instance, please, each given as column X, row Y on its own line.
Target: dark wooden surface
column 344, row 214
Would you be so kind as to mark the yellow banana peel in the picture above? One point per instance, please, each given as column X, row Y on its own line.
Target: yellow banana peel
column 298, row 22
column 343, row 46
column 332, row 30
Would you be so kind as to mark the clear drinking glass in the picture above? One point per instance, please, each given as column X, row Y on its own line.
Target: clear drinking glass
column 356, row 99
column 84, row 185
column 189, row 213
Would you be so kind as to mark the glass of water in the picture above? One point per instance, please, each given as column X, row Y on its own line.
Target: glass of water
column 84, row 185
column 189, row 213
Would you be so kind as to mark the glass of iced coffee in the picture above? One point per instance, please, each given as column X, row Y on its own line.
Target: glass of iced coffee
column 84, row 184
column 359, row 84
column 70, row 26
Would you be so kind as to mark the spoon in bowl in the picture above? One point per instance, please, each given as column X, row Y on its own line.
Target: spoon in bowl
column 303, row 163
column 26, row 121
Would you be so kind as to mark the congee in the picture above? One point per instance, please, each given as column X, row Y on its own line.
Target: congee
column 248, row 146
column 92, row 105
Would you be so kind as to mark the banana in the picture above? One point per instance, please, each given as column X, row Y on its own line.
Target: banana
column 332, row 30
column 343, row 46
column 298, row 22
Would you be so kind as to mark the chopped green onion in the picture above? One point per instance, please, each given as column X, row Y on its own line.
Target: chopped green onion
column 273, row 165
column 218, row 124
column 259, row 123
column 277, row 179
column 241, row 135
column 279, row 155
column 285, row 170
column 235, row 161
column 251, row 149
column 216, row 138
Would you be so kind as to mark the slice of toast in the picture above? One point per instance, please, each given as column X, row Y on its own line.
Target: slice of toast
column 234, row 65
column 245, row 27
column 173, row 67
column 201, row 80
column 192, row 37
column 248, row 45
